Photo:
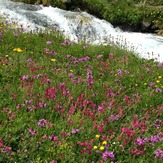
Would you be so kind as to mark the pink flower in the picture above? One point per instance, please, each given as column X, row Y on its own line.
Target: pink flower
column 49, row 42
column 6, row 149
column 41, row 122
column 107, row 155
column 32, row 132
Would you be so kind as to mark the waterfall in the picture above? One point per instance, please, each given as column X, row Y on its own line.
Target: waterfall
column 82, row 26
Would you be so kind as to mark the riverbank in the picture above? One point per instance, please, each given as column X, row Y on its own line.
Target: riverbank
column 134, row 16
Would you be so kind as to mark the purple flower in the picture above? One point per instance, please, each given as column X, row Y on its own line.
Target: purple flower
column 127, row 72
column 157, row 123
column 100, row 107
column 159, row 154
column 48, row 81
column 99, row 56
column 75, row 131
column 154, row 139
column 1, row 34
column 29, row 60
column 160, row 64
column 30, row 108
column 53, row 138
column 85, row 47
column 114, row 117
column 41, row 105
column 46, row 50
column 119, row 73
column 49, row 42
column 66, row 42
column 28, row 101
column 16, row 35
column 25, row 77
column 70, row 75
column 152, row 84
column 158, row 90
column 140, row 142
column 41, row 122
column 107, row 155
column 6, row 149
column 32, row 132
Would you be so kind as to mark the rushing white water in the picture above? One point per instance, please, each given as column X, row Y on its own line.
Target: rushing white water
column 82, row 26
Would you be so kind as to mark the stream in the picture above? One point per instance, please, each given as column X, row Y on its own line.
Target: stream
column 81, row 26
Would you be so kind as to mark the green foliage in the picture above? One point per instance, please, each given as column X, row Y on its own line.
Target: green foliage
column 91, row 99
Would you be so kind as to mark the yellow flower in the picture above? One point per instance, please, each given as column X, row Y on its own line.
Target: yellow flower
column 159, row 77
column 157, row 81
column 71, row 71
column 97, row 136
column 18, row 50
column 6, row 56
column 136, row 85
column 145, row 83
column 102, row 148
column 104, row 142
column 95, row 147
column 53, row 59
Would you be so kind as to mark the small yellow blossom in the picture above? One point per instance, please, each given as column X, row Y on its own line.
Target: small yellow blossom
column 71, row 71
column 97, row 136
column 104, row 142
column 95, row 147
column 102, row 148
column 18, row 50
column 159, row 77
column 6, row 56
column 53, row 59
column 157, row 81
column 136, row 85
column 145, row 83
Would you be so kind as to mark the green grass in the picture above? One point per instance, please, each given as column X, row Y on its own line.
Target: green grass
column 56, row 99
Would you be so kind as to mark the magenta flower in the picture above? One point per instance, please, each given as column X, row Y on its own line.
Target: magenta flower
column 28, row 101
column 158, row 90
column 99, row 56
column 49, row 42
column 42, row 105
column 53, row 138
column 152, row 84
column 66, row 42
column 16, row 35
column 85, row 46
column 6, row 149
column 25, row 77
column 41, row 122
column 140, row 142
column 70, row 75
column 32, row 132
column 160, row 64
column 75, row 131
column 159, row 154
column 107, row 155
column 29, row 60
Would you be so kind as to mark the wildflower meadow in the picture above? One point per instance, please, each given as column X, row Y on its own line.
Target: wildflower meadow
column 62, row 101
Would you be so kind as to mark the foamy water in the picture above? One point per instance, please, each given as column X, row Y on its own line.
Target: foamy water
column 82, row 26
